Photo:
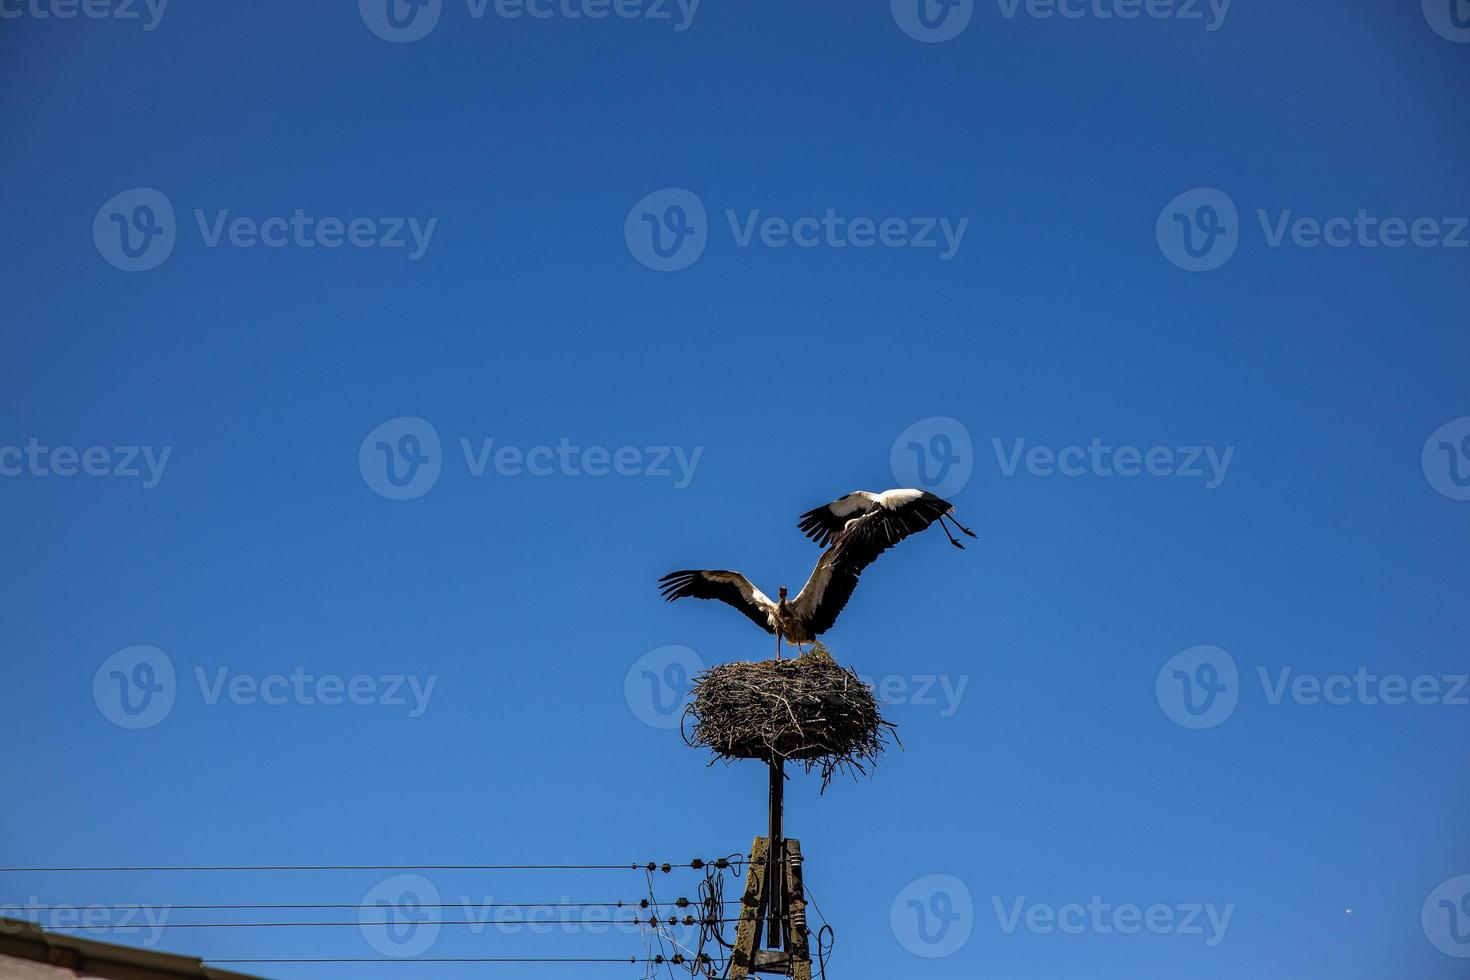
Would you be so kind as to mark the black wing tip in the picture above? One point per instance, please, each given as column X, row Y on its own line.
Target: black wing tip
column 675, row 585
column 814, row 522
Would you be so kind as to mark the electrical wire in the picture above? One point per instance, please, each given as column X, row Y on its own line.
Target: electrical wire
column 664, row 866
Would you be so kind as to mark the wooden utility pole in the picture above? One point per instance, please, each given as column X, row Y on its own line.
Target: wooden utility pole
column 774, row 902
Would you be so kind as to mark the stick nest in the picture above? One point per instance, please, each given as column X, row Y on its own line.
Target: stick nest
column 808, row 709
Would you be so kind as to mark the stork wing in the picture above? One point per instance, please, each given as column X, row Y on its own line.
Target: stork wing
column 893, row 516
column 888, row 517
column 823, row 524
column 829, row 588
column 731, row 588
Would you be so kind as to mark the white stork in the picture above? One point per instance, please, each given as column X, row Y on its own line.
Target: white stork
column 889, row 516
column 856, row 529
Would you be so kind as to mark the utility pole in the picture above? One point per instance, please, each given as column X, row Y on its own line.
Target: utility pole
column 774, row 901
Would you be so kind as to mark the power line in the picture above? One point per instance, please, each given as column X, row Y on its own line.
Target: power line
column 692, row 921
column 676, row 959
column 175, row 907
column 664, row 866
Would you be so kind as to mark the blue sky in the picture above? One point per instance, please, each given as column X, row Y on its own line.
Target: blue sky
column 1219, row 248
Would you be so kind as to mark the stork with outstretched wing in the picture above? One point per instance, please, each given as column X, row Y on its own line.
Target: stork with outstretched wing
column 855, row 530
